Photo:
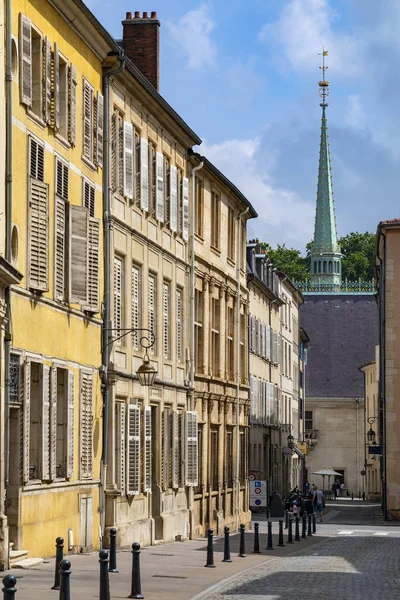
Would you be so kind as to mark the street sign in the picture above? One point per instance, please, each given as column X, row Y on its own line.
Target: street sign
column 258, row 493
column 252, row 476
column 287, row 451
column 374, row 449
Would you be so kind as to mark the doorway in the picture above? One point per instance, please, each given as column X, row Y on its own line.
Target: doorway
column 156, row 490
column 86, row 523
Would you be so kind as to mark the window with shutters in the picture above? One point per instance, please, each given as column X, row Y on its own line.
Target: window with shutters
column 179, row 324
column 166, row 320
column 229, row 457
column 242, row 455
column 215, row 336
column 31, row 66
column 72, row 83
column 230, row 348
column 177, row 449
column 136, row 291
column 152, row 178
column 136, row 166
column 147, row 449
column 78, row 223
column 89, row 195
column 86, row 425
column 215, row 218
column 166, row 449
column 133, row 450
column 243, row 349
column 37, row 419
column 120, row 446
column 38, row 220
column 191, row 448
column 152, row 309
column 15, row 379
column 60, row 221
column 198, row 330
column 36, row 159
column 199, row 200
column 99, row 138
column 200, row 433
column 59, row 423
column 118, row 324
column 60, row 94
column 117, row 152
column 160, row 208
column 231, row 234
column 214, row 458
column 88, row 122
column 179, row 200
column 128, row 161
column 167, row 189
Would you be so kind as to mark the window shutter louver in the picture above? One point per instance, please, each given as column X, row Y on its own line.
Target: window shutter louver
column 278, row 348
column 86, row 418
column 99, row 129
column 144, row 174
column 191, row 448
column 53, row 423
column 166, row 448
column 45, row 437
column 72, row 83
column 93, row 282
column 128, row 160
column 38, row 236
column 160, row 187
column 117, row 295
column 173, row 217
column 47, row 81
column 56, row 90
column 151, row 313
column 263, row 340
column 135, row 305
column 26, row 421
column 176, row 453
column 185, row 208
column 133, row 450
column 251, row 394
column 268, row 342
column 253, row 329
column 166, row 320
column 147, row 448
column 59, row 258
column 79, row 232
column 25, row 53
column 87, row 121
column 121, row 446
column 89, row 197
column 178, row 325
column 114, row 150
column 258, row 337
column 70, row 424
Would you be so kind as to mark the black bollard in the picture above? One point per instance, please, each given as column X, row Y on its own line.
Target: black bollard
column 352, row 496
column 242, row 546
column 59, row 558
column 309, row 532
column 227, row 550
column 9, row 588
column 104, row 582
column 280, row 538
column 304, row 529
column 136, row 586
column 297, row 537
column 65, row 572
column 210, row 550
column 269, row 536
column 314, row 524
column 112, row 568
column 256, row 539
column 286, row 519
column 290, row 532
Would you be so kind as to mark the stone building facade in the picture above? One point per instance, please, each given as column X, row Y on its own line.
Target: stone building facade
column 372, row 461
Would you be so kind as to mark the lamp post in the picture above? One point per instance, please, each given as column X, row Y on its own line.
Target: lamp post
column 146, row 373
column 371, row 435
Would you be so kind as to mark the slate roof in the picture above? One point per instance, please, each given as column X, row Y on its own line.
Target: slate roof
column 343, row 332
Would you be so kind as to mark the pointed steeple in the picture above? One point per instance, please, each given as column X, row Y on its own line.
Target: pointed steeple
column 325, row 255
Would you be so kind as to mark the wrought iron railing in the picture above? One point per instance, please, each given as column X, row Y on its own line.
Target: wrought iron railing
column 350, row 287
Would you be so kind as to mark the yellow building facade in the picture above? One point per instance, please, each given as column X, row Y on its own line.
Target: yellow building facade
column 372, row 467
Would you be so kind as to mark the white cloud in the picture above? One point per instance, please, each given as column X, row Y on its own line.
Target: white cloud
column 192, row 33
column 354, row 115
column 282, row 214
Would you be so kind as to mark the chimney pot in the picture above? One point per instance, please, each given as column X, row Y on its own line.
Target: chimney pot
column 137, row 14
column 128, row 16
column 153, row 14
column 141, row 43
column 145, row 15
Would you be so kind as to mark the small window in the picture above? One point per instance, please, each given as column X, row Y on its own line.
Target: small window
column 62, row 179
column 199, row 206
column 167, row 188
column 89, row 195
column 152, row 309
column 152, row 178
column 215, row 337
column 166, row 319
column 87, row 137
column 214, row 458
column 63, row 97
column 231, row 234
column 308, row 420
column 179, row 324
column 215, row 216
column 36, row 159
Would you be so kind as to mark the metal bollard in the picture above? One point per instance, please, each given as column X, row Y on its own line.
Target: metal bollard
column 314, row 524
column 256, row 539
column 286, row 519
column 59, row 558
column 309, row 532
column 210, row 549
column 65, row 572
column 297, row 537
column 112, row 568
column 136, row 585
column 242, row 546
column 290, row 533
column 227, row 550
column 9, row 588
column 280, row 538
column 104, row 582
column 304, row 529
column 352, row 495
column 269, row 536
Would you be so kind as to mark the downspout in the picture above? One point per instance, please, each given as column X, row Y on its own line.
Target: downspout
column 107, row 283
column 357, row 446
column 238, row 364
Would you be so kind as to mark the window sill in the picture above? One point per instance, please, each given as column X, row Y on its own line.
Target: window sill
column 216, row 250
column 199, row 238
column 231, row 262
column 63, row 141
column 89, row 163
column 35, row 118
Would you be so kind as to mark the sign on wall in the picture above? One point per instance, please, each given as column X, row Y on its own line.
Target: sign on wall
column 258, row 494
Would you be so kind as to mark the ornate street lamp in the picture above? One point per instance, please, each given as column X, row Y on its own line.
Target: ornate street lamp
column 290, row 441
column 371, row 435
column 146, row 373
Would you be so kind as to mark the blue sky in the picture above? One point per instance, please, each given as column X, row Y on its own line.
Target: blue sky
column 244, row 76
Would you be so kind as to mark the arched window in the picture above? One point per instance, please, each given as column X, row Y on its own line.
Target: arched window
column 315, row 266
column 324, row 266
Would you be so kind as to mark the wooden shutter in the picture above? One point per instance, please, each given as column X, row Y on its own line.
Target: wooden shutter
column 166, row 448
column 185, row 208
column 89, row 197
column 144, row 174
column 45, row 429
column 135, row 305
column 38, row 255
column 176, row 449
column 160, row 187
column 191, row 448
column 62, row 179
column 279, row 349
column 147, row 456
column 99, row 129
column 166, row 317
column 128, row 160
column 178, row 325
column 263, row 351
column 253, row 334
column 133, row 450
column 87, row 121
column 56, row 90
column 25, row 55
column 258, row 325
column 268, row 342
column 93, row 292
column 86, row 425
column 60, row 250
column 78, row 250
column 173, row 217
column 120, row 445
column 72, row 83
column 151, row 306
column 70, row 423
column 26, row 420
column 36, row 159
column 53, row 423
column 47, row 81
column 114, row 150
column 118, row 272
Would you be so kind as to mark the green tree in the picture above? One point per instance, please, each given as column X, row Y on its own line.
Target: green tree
column 289, row 261
column 358, row 256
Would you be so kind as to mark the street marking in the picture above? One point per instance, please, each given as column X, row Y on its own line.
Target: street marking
column 381, row 533
column 344, row 532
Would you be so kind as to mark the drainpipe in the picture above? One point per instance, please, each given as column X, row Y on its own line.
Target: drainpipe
column 107, row 284
column 239, row 260
column 357, row 448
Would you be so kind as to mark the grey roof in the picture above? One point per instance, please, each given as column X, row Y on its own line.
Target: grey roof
column 343, row 332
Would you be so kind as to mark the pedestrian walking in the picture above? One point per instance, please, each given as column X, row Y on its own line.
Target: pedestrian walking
column 318, row 502
column 337, row 483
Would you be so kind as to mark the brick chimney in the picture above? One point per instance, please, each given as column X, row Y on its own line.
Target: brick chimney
column 141, row 43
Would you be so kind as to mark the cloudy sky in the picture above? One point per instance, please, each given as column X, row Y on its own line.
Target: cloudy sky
column 244, row 76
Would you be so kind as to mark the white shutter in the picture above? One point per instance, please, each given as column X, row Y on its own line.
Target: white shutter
column 56, row 69
column 191, row 448
column 176, row 449
column 279, row 349
column 45, row 429
column 252, row 408
column 173, row 217
column 185, row 208
column 86, row 425
column 99, row 129
column 151, row 307
column 118, row 267
column 26, row 420
column 38, row 235
column 59, row 251
column 178, row 325
column 253, row 334
column 147, row 457
column 78, row 250
column 128, row 160
column 72, row 83
column 87, row 121
column 25, row 54
column 121, row 446
column 166, row 317
column 93, row 283
column 47, row 81
column 263, row 351
column 160, row 187
column 258, row 325
column 70, row 424
column 268, row 343
column 144, row 174
column 135, row 305
column 133, row 450
column 53, row 422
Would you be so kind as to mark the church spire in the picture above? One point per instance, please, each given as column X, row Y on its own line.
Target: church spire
column 325, row 255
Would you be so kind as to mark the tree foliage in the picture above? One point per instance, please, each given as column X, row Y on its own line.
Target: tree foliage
column 289, row 261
